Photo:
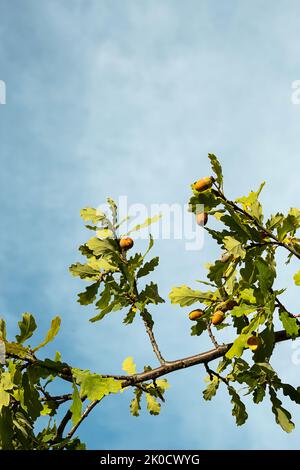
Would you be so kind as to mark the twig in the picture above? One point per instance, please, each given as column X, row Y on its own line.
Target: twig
column 153, row 342
column 84, row 415
column 282, row 307
column 63, row 424
column 212, row 373
column 58, row 398
column 149, row 331
column 213, row 339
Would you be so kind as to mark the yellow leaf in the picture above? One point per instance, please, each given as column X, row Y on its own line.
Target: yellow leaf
column 129, row 366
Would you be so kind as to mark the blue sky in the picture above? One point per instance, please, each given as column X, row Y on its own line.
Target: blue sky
column 109, row 98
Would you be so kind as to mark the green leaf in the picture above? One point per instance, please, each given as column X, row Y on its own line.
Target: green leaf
column 150, row 295
column 128, row 319
column 76, row 407
column 289, row 225
column 234, row 247
column 289, row 323
column 291, row 392
column 239, row 323
column 17, row 350
column 27, row 327
column 129, row 366
column 185, row 296
column 4, row 399
column 6, row 382
column 238, row 346
column 152, row 404
column 248, row 295
column 91, row 214
column 54, row 329
column 267, row 343
column 135, row 404
column 242, row 309
column 274, row 221
column 31, row 399
column 84, row 271
column 148, row 221
column 251, row 204
column 259, row 394
column 297, row 278
column 162, row 384
column 239, row 409
column 89, row 295
column 93, row 386
column 211, row 389
column 217, row 272
column 104, row 233
column 266, row 275
column 102, row 247
column 282, row 416
column 199, row 327
column 206, row 200
column 148, row 267
column 216, row 167
column 105, row 297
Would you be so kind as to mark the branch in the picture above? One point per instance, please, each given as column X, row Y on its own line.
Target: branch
column 170, row 366
column 190, row 361
column 84, row 415
column 59, row 398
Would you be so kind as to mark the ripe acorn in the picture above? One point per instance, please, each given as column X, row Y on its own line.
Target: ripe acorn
column 253, row 342
column 203, row 184
column 126, row 243
column 195, row 314
column 201, row 218
column 217, row 317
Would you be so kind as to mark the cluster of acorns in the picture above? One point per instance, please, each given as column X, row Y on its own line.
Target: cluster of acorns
column 218, row 317
column 219, row 314
column 202, row 185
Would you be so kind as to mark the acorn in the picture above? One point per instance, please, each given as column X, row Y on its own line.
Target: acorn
column 227, row 305
column 217, row 317
column 126, row 243
column 203, row 184
column 195, row 314
column 253, row 342
column 230, row 304
column 201, row 218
